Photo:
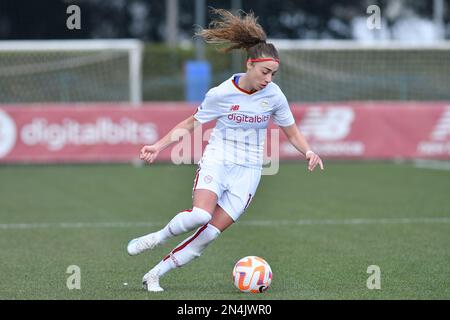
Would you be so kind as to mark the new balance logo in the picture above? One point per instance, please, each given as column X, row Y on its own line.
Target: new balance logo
column 442, row 128
column 333, row 123
column 234, row 107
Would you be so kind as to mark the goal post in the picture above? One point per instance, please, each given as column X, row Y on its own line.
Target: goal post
column 71, row 71
column 342, row 70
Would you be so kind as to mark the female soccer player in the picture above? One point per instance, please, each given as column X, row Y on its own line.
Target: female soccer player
column 230, row 169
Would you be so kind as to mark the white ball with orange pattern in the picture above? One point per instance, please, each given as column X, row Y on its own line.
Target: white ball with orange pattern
column 252, row 274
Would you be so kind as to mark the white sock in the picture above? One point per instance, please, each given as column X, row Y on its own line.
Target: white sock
column 189, row 249
column 183, row 222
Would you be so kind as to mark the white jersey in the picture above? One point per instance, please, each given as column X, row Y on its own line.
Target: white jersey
column 242, row 119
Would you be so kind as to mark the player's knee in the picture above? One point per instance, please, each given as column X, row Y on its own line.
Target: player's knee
column 203, row 216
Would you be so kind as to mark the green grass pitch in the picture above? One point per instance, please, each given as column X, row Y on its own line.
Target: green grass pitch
column 319, row 232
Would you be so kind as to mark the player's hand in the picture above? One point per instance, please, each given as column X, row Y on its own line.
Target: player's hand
column 149, row 153
column 313, row 160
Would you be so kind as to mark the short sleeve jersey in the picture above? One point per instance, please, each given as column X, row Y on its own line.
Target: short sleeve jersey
column 242, row 119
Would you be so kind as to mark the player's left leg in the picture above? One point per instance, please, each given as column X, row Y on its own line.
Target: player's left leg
column 189, row 249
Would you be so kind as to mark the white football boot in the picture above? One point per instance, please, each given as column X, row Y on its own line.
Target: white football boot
column 139, row 245
column 150, row 281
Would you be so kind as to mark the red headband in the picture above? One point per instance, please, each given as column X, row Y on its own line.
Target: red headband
column 264, row 59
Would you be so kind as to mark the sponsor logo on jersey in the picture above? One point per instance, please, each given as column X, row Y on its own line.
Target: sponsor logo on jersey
column 239, row 118
column 234, row 107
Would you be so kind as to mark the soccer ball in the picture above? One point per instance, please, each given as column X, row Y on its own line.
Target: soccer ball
column 252, row 274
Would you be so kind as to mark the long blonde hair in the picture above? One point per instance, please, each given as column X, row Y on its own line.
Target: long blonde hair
column 239, row 33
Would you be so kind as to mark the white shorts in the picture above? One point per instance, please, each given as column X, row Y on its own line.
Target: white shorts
column 234, row 185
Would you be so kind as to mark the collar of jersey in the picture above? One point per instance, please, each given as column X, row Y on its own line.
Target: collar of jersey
column 239, row 88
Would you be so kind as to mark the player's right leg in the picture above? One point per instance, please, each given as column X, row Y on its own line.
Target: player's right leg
column 184, row 221
column 205, row 194
column 189, row 249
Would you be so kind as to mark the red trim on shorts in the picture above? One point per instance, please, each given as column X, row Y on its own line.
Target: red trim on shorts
column 196, row 178
column 186, row 243
column 248, row 201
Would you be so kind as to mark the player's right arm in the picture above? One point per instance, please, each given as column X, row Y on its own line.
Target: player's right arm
column 149, row 153
column 206, row 112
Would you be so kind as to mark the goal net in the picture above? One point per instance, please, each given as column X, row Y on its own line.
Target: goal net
column 70, row 71
column 346, row 70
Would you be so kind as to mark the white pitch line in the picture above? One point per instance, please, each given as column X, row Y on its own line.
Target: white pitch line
column 432, row 164
column 355, row 221
column 259, row 223
column 77, row 225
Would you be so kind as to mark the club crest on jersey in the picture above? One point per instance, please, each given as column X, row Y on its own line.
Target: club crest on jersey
column 234, row 107
column 208, row 179
column 265, row 104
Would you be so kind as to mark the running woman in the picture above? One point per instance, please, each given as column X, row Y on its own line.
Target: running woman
column 230, row 169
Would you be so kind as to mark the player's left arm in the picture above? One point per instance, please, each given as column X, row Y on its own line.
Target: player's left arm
column 297, row 139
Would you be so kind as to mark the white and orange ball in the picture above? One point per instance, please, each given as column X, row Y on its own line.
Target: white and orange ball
column 252, row 274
